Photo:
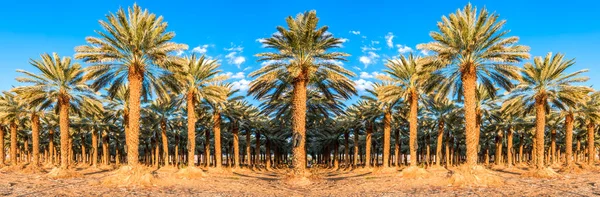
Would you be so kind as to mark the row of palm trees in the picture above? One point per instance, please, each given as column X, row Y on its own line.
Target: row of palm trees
column 135, row 85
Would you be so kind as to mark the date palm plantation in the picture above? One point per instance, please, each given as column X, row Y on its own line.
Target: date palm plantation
column 292, row 113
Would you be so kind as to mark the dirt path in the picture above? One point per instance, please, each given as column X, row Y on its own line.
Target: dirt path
column 326, row 183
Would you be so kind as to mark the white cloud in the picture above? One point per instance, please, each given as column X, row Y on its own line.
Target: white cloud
column 268, row 62
column 368, row 48
column 201, row 49
column 389, row 40
column 374, row 42
column 355, row 32
column 362, row 85
column 425, row 52
column 403, row 48
column 235, row 48
column 368, row 59
column 179, row 52
column 235, row 58
column 241, row 85
column 238, row 75
column 356, row 68
column 366, row 75
column 247, row 68
column 364, row 37
column 336, row 62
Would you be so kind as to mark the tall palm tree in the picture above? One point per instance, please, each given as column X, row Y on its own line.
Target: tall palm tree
column 60, row 83
column 544, row 82
column 301, row 56
column 443, row 110
column 11, row 111
column 409, row 78
column 471, row 46
column 162, row 110
column 133, row 46
column 387, row 108
column 198, row 78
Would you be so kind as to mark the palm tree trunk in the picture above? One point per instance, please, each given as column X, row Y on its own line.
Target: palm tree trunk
column 105, row 153
column 83, row 151
column 176, row 153
column 248, row 145
column 268, row 153
column 13, row 143
column 368, row 145
column 569, row 138
column 64, row 131
column 509, row 147
column 469, row 83
column 346, row 148
column 540, row 124
column 207, row 147
column 355, row 148
column 553, row 146
column 94, row 147
column 440, row 140
column 217, row 133
column 397, row 147
column 35, row 134
column 165, row 141
column 236, row 145
column 387, row 129
column 191, row 129
column 590, row 143
column 132, row 133
column 2, row 153
column 413, row 127
column 257, row 147
column 498, row 154
column 299, row 124
column 51, row 147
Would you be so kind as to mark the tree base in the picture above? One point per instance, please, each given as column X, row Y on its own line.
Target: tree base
column 572, row 169
column 414, row 172
column 33, row 169
column 131, row 176
column 12, row 168
column 467, row 175
column 384, row 170
column 190, row 173
column 59, row 173
column 542, row 173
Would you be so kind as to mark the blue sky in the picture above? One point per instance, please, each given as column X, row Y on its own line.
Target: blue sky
column 228, row 30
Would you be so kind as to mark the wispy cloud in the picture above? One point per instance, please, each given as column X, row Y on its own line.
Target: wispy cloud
column 355, row 32
column 403, row 48
column 362, row 85
column 366, row 75
column 389, row 39
column 241, row 85
column 368, row 59
column 238, row 75
column 202, row 49
column 234, row 57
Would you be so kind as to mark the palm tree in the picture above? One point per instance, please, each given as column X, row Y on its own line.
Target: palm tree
column 34, row 111
column 161, row 110
column 61, row 82
column 545, row 82
column 133, row 47
column 409, row 78
column 302, row 55
column 471, row 46
column 198, row 78
column 590, row 111
column 11, row 111
column 443, row 110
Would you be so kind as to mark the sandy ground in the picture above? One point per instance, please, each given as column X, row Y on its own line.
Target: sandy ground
column 324, row 182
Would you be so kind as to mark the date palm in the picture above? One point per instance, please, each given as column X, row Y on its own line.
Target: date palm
column 11, row 111
column 133, row 47
column 545, row 82
column 162, row 110
column 590, row 112
column 410, row 78
column 198, row 78
column 472, row 46
column 60, row 83
column 302, row 54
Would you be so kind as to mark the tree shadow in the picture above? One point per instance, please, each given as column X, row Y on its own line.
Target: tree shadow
column 347, row 177
column 256, row 177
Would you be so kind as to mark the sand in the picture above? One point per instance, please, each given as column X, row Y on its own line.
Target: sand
column 322, row 182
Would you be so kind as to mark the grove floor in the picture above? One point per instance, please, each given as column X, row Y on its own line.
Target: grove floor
column 324, row 182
